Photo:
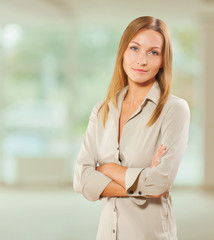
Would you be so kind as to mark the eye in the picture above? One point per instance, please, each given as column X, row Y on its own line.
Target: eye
column 134, row 48
column 154, row 53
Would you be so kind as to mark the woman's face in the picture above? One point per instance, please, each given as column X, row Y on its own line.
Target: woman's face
column 143, row 57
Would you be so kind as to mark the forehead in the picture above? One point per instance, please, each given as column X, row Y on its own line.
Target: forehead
column 149, row 38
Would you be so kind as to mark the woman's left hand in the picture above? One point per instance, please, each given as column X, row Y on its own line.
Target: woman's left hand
column 157, row 157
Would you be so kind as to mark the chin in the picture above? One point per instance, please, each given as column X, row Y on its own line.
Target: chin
column 143, row 82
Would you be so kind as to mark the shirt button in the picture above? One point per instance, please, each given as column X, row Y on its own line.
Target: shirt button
column 114, row 209
column 118, row 148
column 113, row 230
column 139, row 192
column 131, row 192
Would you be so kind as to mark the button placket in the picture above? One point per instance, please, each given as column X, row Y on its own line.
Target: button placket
column 117, row 155
column 114, row 228
column 121, row 158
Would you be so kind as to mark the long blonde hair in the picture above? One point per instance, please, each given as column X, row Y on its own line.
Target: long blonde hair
column 164, row 76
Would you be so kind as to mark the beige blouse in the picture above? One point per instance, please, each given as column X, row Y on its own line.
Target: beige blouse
column 136, row 217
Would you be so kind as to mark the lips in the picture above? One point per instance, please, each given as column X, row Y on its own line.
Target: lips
column 139, row 70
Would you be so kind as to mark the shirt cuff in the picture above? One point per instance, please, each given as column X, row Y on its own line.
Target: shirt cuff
column 131, row 179
column 95, row 185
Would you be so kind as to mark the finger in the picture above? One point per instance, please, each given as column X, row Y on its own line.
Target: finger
column 160, row 148
column 157, row 162
column 163, row 151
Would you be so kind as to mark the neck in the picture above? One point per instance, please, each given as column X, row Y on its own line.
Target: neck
column 137, row 92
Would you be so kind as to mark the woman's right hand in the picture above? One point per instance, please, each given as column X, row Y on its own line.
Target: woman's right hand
column 157, row 157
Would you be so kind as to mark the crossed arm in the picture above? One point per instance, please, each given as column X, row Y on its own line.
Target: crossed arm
column 116, row 188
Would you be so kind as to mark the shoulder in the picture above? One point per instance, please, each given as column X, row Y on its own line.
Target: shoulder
column 177, row 107
column 96, row 107
column 177, row 104
column 94, row 111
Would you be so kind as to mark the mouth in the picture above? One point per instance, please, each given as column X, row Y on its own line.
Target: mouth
column 139, row 70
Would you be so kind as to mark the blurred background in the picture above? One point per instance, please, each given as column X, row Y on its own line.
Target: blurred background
column 56, row 61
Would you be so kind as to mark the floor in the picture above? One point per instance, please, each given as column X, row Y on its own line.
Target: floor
column 61, row 214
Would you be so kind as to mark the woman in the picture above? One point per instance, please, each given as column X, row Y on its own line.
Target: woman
column 135, row 140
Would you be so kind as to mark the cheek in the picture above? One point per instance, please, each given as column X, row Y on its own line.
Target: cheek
column 125, row 62
column 129, row 58
column 125, row 67
column 157, row 64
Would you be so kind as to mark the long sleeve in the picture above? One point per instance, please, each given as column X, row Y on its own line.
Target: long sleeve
column 174, row 135
column 87, row 181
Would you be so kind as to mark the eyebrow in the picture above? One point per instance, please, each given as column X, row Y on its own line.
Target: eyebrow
column 140, row 45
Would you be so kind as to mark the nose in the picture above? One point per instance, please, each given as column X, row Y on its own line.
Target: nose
column 142, row 59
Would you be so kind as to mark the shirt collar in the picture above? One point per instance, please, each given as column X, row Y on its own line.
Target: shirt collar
column 153, row 94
